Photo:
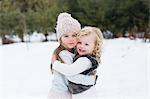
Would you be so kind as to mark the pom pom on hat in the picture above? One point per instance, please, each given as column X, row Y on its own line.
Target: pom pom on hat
column 61, row 16
column 66, row 24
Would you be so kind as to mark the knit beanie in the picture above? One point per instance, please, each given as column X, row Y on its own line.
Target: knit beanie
column 66, row 24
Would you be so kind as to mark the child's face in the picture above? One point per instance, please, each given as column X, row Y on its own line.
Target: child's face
column 69, row 40
column 86, row 44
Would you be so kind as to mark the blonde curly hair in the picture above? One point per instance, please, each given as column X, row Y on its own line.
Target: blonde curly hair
column 99, row 39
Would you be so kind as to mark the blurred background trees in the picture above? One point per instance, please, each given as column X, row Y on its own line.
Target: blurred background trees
column 118, row 16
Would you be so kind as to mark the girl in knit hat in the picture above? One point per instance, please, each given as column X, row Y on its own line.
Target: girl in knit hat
column 67, row 29
column 86, row 61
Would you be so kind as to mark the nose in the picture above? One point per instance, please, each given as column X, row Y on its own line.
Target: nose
column 71, row 39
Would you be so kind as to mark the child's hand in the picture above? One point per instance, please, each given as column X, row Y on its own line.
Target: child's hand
column 53, row 59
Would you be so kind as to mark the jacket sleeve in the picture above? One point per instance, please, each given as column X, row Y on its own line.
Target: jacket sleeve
column 67, row 57
column 82, row 79
column 80, row 65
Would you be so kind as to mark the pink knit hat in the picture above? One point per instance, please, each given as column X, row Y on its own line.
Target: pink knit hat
column 66, row 24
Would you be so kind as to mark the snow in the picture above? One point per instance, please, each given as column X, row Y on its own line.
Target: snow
column 123, row 74
column 35, row 37
column 52, row 37
column 14, row 38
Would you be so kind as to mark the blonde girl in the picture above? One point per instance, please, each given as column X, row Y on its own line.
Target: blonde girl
column 89, row 48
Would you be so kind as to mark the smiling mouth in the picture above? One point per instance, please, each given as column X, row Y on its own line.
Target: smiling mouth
column 80, row 50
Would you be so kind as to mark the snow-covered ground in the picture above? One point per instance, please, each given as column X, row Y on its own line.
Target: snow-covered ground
column 123, row 74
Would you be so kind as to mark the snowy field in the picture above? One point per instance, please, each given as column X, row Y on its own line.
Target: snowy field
column 123, row 74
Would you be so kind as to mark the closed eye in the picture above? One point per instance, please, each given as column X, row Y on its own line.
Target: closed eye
column 66, row 36
column 86, row 44
column 74, row 35
column 79, row 42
